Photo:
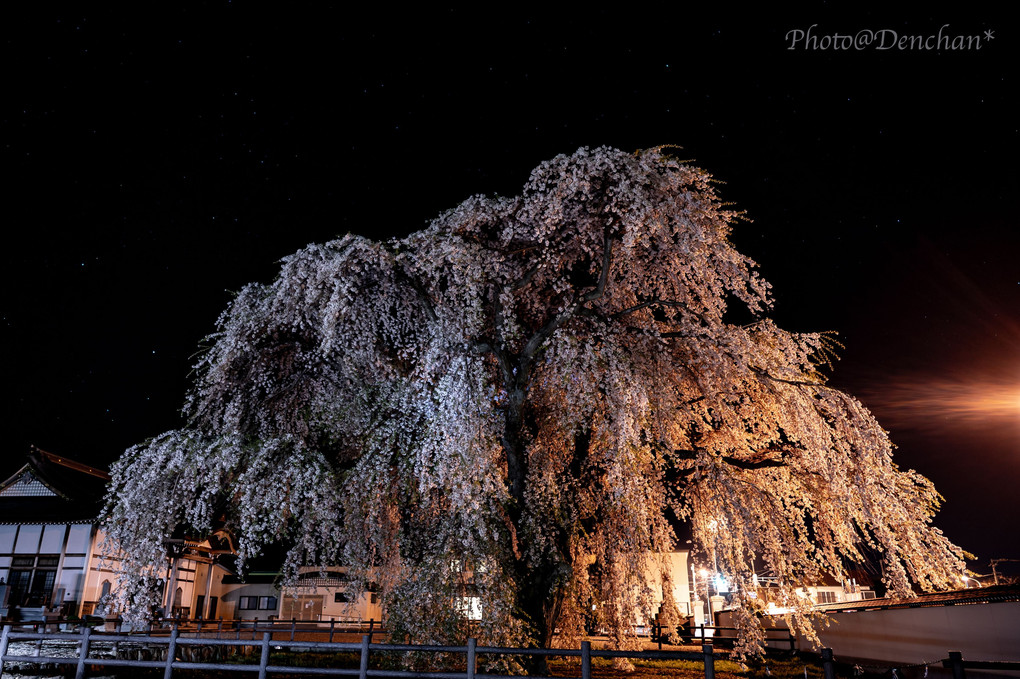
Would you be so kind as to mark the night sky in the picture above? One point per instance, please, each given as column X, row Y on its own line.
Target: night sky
column 156, row 162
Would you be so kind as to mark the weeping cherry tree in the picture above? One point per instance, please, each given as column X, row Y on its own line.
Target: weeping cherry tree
column 518, row 396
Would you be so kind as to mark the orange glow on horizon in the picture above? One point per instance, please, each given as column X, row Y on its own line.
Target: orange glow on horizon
column 917, row 404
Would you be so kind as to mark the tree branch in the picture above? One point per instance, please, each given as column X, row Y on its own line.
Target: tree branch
column 607, row 260
column 559, row 319
column 796, row 383
column 528, row 275
column 404, row 277
column 655, row 302
column 761, row 463
column 502, row 358
column 430, row 309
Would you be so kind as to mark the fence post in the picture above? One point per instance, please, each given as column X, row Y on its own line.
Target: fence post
column 332, row 622
column 118, row 627
column 472, row 642
column 79, row 672
column 293, row 626
column 585, row 659
column 363, row 669
column 371, row 627
column 171, row 651
column 38, row 642
column 3, row 646
column 956, row 661
column 706, row 649
column 255, row 628
column 264, row 660
column 827, row 665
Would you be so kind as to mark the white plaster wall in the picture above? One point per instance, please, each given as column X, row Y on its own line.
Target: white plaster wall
column 989, row 631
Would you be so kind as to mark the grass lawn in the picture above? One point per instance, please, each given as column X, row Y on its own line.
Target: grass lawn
column 784, row 667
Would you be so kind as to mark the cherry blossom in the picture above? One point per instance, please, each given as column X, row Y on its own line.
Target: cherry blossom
column 512, row 400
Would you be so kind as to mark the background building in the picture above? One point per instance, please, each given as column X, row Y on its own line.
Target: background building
column 47, row 535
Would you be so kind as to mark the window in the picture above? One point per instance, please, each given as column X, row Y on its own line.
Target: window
column 826, row 597
column 28, row 540
column 31, row 580
column 78, row 538
column 255, row 603
column 341, row 598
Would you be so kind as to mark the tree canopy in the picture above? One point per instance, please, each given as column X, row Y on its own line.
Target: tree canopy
column 525, row 390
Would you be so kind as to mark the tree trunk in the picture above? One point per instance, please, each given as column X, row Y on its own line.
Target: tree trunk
column 540, row 593
column 541, row 599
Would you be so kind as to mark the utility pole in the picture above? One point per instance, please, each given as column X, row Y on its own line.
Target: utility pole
column 996, row 562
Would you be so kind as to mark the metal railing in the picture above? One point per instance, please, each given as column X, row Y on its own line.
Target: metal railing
column 85, row 640
column 88, row 640
column 237, row 628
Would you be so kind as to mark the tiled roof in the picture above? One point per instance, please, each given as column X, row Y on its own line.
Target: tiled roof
column 52, row 489
column 979, row 595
